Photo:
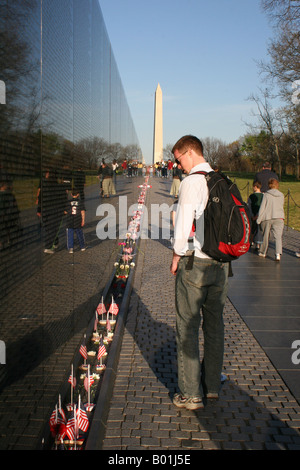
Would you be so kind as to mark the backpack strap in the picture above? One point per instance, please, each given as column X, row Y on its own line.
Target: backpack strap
column 189, row 265
column 199, row 173
column 204, row 173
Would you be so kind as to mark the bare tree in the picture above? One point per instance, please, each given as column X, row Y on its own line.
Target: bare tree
column 269, row 121
column 168, row 155
column 282, row 10
column 212, row 149
column 284, row 49
column 291, row 115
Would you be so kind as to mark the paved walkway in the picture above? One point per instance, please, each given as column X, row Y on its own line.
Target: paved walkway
column 257, row 408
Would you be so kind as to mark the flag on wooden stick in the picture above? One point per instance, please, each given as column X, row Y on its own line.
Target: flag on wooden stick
column 101, row 350
column 113, row 309
column 83, row 421
column 83, row 352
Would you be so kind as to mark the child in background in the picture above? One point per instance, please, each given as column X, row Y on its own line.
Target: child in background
column 75, row 212
column 254, row 203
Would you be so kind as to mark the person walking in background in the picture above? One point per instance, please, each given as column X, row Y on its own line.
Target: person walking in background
column 170, row 167
column 51, row 200
column 108, row 186
column 115, row 166
column 264, row 176
column 271, row 218
column 100, row 176
column 129, row 170
column 177, row 176
column 124, row 167
column 75, row 212
column 254, row 203
column 201, row 285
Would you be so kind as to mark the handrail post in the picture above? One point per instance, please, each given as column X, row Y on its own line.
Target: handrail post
column 288, row 209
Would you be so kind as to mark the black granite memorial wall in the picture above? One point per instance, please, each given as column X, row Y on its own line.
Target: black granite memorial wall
column 63, row 108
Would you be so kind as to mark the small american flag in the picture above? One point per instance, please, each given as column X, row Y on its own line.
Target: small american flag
column 114, row 309
column 57, row 422
column 88, row 381
column 83, row 349
column 101, row 350
column 53, row 422
column 101, row 308
column 72, row 380
column 83, row 422
column 72, row 429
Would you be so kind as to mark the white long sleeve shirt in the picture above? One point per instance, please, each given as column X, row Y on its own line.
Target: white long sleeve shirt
column 192, row 200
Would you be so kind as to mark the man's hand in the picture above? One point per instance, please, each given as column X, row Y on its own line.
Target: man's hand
column 174, row 264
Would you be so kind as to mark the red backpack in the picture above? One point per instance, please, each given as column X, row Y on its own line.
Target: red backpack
column 227, row 221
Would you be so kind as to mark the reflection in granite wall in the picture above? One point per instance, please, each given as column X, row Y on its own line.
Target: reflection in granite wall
column 65, row 110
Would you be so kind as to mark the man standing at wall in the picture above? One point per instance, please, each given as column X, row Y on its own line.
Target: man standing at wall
column 201, row 285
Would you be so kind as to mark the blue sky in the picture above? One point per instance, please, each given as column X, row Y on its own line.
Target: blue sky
column 202, row 53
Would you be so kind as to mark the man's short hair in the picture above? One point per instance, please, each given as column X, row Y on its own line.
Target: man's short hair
column 188, row 142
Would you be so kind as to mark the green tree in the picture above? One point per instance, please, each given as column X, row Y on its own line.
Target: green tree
column 256, row 148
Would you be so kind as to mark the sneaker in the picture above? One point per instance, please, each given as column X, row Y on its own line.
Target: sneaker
column 297, row 254
column 277, row 257
column 83, row 249
column 194, row 403
column 71, row 250
column 49, row 251
column 261, row 254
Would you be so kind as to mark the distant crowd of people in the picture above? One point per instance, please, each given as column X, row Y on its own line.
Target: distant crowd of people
column 63, row 194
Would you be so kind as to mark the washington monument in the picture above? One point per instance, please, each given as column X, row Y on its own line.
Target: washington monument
column 158, row 127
